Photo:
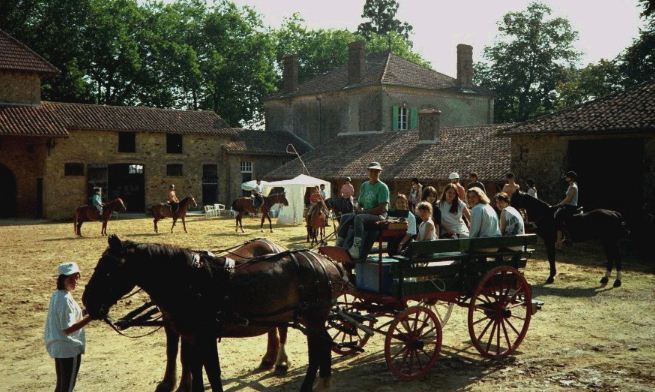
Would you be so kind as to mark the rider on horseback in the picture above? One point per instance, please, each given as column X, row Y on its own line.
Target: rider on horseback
column 257, row 194
column 566, row 208
column 96, row 200
column 173, row 201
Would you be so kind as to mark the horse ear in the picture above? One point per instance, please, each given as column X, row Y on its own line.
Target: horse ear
column 114, row 242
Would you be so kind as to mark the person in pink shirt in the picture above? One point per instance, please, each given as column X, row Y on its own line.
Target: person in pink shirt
column 347, row 189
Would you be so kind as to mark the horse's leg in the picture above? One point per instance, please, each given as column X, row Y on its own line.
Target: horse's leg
column 325, row 361
column 282, row 360
column 104, row 226
column 313, row 350
column 154, row 221
column 187, row 359
column 261, row 224
column 209, row 352
column 549, row 242
column 172, row 339
column 184, row 224
column 79, row 227
column 194, row 359
column 272, row 347
column 174, row 222
column 270, row 225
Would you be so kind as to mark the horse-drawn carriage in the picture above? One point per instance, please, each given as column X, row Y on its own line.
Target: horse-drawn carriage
column 408, row 299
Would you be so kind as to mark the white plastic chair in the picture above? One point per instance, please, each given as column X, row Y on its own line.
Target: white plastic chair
column 210, row 211
column 220, row 209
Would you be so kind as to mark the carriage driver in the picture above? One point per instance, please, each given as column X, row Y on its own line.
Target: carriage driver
column 373, row 202
column 173, row 201
column 96, row 200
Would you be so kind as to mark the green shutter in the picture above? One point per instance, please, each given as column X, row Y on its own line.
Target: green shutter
column 413, row 118
column 394, row 118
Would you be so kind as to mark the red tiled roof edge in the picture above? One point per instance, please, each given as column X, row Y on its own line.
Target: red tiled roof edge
column 46, row 69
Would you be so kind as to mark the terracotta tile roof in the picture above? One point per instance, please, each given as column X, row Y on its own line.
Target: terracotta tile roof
column 245, row 141
column 628, row 111
column 56, row 118
column 466, row 149
column 381, row 69
column 16, row 56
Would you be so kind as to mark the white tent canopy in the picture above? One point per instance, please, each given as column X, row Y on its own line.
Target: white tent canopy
column 250, row 185
column 294, row 190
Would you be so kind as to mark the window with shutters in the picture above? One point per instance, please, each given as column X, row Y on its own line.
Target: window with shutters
column 403, row 115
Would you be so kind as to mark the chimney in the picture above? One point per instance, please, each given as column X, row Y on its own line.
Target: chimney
column 356, row 62
column 290, row 73
column 428, row 126
column 464, row 66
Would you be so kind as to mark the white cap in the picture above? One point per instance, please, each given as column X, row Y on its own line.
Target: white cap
column 453, row 176
column 68, row 268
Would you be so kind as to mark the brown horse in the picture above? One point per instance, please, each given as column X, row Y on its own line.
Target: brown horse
column 316, row 222
column 88, row 213
column 275, row 353
column 162, row 210
column 244, row 205
column 206, row 298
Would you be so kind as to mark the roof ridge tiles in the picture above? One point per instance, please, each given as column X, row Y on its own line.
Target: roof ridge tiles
column 48, row 67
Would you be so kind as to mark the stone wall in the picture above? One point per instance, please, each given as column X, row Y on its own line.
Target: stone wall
column 62, row 194
column 20, row 87
column 24, row 157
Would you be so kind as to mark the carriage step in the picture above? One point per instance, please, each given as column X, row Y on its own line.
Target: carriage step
column 537, row 305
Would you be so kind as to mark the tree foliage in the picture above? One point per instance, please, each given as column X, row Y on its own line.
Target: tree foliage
column 637, row 62
column 532, row 55
column 381, row 15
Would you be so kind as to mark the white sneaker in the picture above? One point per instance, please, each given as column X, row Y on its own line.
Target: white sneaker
column 354, row 250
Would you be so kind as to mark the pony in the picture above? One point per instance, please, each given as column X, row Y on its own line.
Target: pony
column 206, row 298
column 162, row 210
column 244, row 205
column 316, row 221
column 606, row 225
column 340, row 206
column 87, row 213
column 275, row 355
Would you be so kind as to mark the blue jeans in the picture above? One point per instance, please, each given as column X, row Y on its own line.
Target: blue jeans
column 356, row 222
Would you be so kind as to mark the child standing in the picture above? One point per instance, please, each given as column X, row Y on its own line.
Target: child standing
column 64, row 336
column 426, row 230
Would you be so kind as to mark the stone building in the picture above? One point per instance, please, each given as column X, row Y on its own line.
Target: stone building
column 52, row 154
column 375, row 93
column 609, row 142
column 430, row 154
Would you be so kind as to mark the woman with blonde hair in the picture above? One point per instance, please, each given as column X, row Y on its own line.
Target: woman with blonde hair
column 453, row 211
column 484, row 220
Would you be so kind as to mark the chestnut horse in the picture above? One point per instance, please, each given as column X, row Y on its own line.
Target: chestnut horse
column 88, row 213
column 163, row 210
column 316, row 222
column 207, row 297
column 275, row 351
column 244, row 205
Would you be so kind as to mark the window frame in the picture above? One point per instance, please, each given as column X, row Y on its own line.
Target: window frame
column 246, row 167
column 403, row 118
column 171, row 146
column 170, row 166
column 131, row 144
column 68, row 172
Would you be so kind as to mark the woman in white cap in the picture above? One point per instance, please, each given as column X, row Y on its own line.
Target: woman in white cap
column 454, row 179
column 64, row 336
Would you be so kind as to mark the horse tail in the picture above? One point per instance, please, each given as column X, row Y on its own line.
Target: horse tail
column 75, row 219
column 234, row 205
column 624, row 231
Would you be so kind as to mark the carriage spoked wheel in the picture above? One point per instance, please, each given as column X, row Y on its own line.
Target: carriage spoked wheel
column 413, row 343
column 441, row 309
column 347, row 339
column 499, row 312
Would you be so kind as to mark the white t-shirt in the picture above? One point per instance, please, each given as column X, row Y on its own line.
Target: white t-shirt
column 450, row 222
column 63, row 312
column 513, row 221
column 533, row 192
column 423, row 227
column 573, row 188
column 259, row 188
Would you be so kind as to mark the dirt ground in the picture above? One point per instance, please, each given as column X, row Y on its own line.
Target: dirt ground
column 585, row 338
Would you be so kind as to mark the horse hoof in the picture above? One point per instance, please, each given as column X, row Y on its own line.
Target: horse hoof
column 265, row 365
column 164, row 387
column 604, row 280
column 551, row 279
column 281, row 370
column 617, row 283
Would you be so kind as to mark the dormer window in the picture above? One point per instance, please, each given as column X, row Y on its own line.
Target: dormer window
column 404, row 118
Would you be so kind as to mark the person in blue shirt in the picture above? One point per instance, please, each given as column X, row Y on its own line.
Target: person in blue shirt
column 96, row 200
column 484, row 220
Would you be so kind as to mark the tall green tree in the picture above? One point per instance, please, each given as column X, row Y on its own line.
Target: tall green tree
column 638, row 60
column 533, row 53
column 588, row 83
column 381, row 15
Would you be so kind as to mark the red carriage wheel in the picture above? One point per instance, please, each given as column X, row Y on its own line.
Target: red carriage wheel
column 499, row 312
column 413, row 343
column 346, row 338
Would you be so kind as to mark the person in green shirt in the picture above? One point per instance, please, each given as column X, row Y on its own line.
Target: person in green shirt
column 373, row 202
column 96, row 200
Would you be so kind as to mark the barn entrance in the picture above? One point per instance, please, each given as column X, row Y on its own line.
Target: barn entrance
column 127, row 182
column 611, row 173
column 8, row 194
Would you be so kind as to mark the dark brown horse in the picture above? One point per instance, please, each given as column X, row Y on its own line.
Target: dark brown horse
column 275, row 350
column 88, row 213
column 163, row 210
column 316, row 222
column 244, row 205
column 205, row 298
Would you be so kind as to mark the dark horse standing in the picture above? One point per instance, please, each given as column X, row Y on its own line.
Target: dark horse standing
column 90, row 213
column 275, row 349
column 244, row 205
column 606, row 225
column 162, row 210
column 205, row 298
column 340, row 206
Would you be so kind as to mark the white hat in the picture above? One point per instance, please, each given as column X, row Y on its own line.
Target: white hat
column 374, row 166
column 453, row 176
column 68, row 268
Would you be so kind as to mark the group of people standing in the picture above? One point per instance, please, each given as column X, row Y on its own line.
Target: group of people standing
column 458, row 212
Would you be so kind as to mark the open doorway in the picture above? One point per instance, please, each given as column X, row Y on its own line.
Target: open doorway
column 8, row 194
column 126, row 180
